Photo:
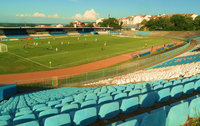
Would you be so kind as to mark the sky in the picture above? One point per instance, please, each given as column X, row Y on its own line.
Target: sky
column 66, row 11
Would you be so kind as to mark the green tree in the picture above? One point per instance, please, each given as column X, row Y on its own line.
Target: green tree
column 197, row 23
column 69, row 25
column 189, row 23
column 178, row 22
column 111, row 22
column 89, row 25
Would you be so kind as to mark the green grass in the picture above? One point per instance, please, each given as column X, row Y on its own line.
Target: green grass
column 36, row 58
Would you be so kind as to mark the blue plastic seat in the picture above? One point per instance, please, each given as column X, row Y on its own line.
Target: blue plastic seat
column 109, row 110
column 148, row 99
column 129, row 105
column 130, row 123
column 164, row 95
column 53, row 103
column 23, row 113
column 197, row 85
column 23, row 119
column 38, row 106
column 120, row 96
column 177, row 91
column 154, row 119
column 4, row 123
column 68, row 108
column 67, row 99
column 85, row 117
column 91, row 96
column 194, row 108
column 177, row 115
column 168, row 84
column 47, row 113
column 30, row 123
column 188, row 88
column 134, row 93
column 5, row 117
column 105, row 99
column 89, row 103
column 58, row 120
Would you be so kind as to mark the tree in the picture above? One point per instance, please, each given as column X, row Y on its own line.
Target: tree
column 189, row 23
column 111, row 22
column 197, row 22
column 69, row 25
column 88, row 25
column 178, row 22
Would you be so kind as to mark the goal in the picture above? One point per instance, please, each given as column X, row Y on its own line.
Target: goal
column 3, row 48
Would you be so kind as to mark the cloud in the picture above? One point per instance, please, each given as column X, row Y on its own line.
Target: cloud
column 37, row 14
column 88, row 15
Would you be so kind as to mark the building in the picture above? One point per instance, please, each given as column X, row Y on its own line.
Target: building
column 59, row 26
column 100, row 20
column 78, row 24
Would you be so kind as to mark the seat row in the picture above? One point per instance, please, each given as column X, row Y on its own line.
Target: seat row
column 175, row 114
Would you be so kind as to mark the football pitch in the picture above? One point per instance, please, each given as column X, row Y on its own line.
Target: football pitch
column 53, row 53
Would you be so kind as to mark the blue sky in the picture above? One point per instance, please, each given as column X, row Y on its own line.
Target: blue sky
column 65, row 11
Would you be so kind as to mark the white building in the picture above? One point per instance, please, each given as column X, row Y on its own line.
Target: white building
column 100, row 20
column 59, row 26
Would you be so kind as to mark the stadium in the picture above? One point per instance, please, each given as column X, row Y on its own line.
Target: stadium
column 142, row 70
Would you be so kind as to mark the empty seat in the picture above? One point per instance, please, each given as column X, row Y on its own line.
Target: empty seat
column 177, row 115
column 23, row 113
column 4, row 123
column 194, row 108
column 188, row 88
column 197, row 85
column 168, row 84
column 130, row 123
column 58, row 120
column 89, row 103
column 148, row 99
column 177, row 91
column 67, row 99
column 23, row 119
column 129, row 105
column 30, row 123
column 109, row 110
column 155, row 119
column 91, row 96
column 105, row 99
column 47, row 113
column 5, row 117
column 53, row 103
column 120, row 96
column 68, row 108
column 85, row 117
column 164, row 95
column 134, row 93
column 38, row 106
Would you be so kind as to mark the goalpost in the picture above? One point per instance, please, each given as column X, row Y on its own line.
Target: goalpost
column 3, row 48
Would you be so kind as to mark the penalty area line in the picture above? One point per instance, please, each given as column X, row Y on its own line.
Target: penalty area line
column 29, row 60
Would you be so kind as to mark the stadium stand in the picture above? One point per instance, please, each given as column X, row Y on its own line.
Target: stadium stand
column 179, row 61
column 73, row 106
column 142, row 33
column 58, row 33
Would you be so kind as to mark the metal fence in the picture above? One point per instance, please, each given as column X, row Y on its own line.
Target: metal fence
column 68, row 80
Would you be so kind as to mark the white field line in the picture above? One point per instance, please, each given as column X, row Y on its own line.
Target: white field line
column 29, row 60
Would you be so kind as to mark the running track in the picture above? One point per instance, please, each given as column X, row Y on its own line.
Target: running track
column 12, row 78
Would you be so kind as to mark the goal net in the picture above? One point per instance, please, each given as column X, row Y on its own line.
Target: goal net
column 3, row 48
